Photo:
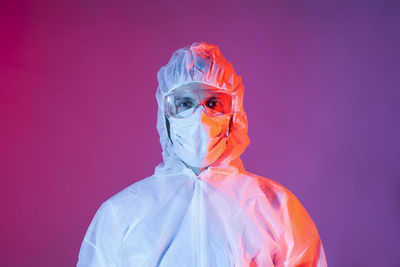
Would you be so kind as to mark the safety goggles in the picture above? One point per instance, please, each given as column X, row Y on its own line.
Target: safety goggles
column 183, row 103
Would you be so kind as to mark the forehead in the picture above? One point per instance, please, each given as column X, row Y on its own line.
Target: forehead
column 193, row 89
column 195, row 85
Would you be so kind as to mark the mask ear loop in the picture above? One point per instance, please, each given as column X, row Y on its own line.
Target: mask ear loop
column 167, row 124
column 168, row 131
column 233, row 117
column 231, row 120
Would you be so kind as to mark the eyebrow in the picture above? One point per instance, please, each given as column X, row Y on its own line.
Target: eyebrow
column 184, row 98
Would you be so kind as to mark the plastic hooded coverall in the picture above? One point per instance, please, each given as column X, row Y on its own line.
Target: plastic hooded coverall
column 225, row 216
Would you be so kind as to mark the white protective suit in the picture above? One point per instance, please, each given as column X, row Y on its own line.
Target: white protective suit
column 223, row 217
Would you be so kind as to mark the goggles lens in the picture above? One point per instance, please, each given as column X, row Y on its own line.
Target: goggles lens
column 215, row 102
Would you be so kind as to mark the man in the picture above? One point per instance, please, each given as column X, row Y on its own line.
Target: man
column 201, row 207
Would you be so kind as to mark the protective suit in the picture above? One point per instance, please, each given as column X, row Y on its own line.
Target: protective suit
column 212, row 214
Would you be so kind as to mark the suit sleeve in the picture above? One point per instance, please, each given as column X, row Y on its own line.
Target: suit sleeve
column 300, row 242
column 102, row 240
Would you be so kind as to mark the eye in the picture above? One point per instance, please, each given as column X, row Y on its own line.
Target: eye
column 215, row 103
column 186, row 104
column 183, row 104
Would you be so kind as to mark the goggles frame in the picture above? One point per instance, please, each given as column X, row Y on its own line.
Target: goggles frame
column 169, row 99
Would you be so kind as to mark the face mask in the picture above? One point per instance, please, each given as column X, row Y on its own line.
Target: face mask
column 200, row 139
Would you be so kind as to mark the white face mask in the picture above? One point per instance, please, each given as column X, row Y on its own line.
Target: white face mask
column 199, row 140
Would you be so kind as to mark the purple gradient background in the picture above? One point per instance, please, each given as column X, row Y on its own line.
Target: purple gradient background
column 78, row 113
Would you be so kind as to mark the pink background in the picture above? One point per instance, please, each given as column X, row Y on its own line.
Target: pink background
column 78, row 113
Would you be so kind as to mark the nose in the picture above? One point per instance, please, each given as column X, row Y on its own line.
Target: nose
column 214, row 126
column 202, row 106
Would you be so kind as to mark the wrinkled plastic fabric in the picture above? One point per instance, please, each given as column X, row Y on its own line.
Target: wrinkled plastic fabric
column 226, row 216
